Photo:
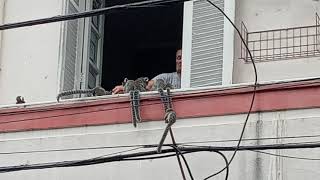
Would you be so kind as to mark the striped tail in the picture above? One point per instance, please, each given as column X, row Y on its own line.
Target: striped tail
column 71, row 92
column 135, row 107
column 163, row 98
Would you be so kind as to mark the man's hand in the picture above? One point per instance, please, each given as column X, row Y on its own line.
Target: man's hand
column 118, row 89
column 150, row 84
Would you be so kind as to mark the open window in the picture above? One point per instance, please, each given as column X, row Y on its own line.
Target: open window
column 142, row 41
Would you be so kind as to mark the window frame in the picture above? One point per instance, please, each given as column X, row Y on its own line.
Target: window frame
column 86, row 62
column 81, row 78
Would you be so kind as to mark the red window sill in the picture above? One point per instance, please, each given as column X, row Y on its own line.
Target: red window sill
column 187, row 104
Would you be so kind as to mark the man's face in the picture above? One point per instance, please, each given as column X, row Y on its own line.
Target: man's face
column 178, row 60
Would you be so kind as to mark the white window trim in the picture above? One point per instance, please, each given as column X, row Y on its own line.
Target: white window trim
column 186, row 44
column 228, row 43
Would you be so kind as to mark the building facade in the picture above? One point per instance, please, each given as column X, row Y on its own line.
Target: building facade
column 38, row 62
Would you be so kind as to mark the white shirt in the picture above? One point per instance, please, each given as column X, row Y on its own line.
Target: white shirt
column 172, row 78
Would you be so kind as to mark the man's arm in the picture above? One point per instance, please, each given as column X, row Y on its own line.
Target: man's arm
column 153, row 80
column 118, row 89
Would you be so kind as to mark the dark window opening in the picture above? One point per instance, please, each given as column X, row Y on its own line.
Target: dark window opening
column 140, row 42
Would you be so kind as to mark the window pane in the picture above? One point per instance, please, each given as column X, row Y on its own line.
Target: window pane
column 92, row 78
column 77, row 2
column 93, row 46
column 96, row 4
column 95, row 21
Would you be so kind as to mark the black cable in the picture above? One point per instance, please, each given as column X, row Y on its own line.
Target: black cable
column 189, row 170
column 123, row 157
column 226, row 161
column 168, row 105
column 70, row 149
column 253, row 147
column 180, row 153
column 154, row 157
column 90, row 13
column 287, row 156
column 154, row 145
column 179, row 162
column 304, row 142
column 250, row 139
column 119, row 152
column 254, row 89
column 97, row 160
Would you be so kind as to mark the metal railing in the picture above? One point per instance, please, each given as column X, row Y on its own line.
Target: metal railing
column 279, row 44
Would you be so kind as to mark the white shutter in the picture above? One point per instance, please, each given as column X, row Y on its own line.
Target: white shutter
column 208, row 35
column 72, row 48
column 207, row 44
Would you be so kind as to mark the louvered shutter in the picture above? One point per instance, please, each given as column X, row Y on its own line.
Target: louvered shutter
column 72, row 49
column 207, row 44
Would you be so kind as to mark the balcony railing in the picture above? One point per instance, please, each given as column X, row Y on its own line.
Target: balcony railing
column 279, row 44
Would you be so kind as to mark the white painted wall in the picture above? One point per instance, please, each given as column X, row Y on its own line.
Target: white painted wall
column 247, row 165
column 2, row 12
column 261, row 15
column 29, row 56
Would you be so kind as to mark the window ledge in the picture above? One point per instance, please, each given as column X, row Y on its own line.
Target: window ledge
column 188, row 103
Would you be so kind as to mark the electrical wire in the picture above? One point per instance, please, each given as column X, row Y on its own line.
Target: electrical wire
column 147, row 154
column 287, row 156
column 191, row 143
column 250, row 139
column 253, row 94
column 119, row 152
column 167, row 105
column 84, row 14
column 64, row 163
column 174, row 146
column 179, row 161
column 154, row 157
column 226, row 161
